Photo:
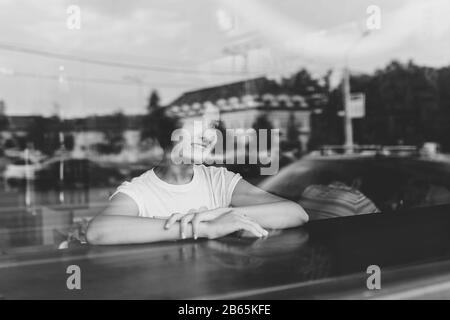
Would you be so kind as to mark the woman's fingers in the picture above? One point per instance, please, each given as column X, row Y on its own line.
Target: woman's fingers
column 206, row 216
column 195, row 225
column 184, row 224
column 250, row 228
column 173, row 218
column 195, row 218
column 255, row 228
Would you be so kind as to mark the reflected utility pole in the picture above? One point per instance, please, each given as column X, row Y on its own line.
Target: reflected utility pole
column 62, row 85
column 27, row 178
column 348, row 124
column 346, row 90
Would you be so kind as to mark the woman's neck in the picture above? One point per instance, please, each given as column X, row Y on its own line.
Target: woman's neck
column 174, row 173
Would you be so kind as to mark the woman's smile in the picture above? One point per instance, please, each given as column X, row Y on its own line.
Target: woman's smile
column 199, row 144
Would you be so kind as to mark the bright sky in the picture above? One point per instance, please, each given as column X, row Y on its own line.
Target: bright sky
column 126, row 48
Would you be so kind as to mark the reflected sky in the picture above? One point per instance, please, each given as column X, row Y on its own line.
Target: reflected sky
column 174, row 47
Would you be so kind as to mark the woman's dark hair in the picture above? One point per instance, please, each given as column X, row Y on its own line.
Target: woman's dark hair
column 158, row 125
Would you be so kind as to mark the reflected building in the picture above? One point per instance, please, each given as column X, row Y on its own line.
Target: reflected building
column 241, row 103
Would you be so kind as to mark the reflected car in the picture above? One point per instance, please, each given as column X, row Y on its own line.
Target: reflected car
column 19, row 169
column 390, row 182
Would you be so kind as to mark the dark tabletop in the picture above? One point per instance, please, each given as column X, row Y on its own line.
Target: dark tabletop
column 305, row 262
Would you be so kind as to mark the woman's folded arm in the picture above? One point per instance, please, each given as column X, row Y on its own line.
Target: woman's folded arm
column 268, row 210
column 119, row 223
column 118, row 229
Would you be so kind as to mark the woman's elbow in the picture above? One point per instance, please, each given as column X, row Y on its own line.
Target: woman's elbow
column 301, row 217
column 93, row 234
column 304, row 215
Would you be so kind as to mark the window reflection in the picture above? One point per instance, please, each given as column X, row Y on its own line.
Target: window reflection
column 363, row 130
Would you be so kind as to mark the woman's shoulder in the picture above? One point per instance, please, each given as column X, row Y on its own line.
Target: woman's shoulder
column 140, row 179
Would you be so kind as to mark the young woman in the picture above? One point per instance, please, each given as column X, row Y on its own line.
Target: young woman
column 180, row 200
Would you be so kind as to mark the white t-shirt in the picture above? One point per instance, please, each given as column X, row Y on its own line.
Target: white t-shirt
column 210, row 188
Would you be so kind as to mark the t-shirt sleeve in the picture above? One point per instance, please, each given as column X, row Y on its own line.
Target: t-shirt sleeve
column 231, row 180
column 131, row 189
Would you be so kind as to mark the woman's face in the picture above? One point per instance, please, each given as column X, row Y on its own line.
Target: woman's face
column 198, row 138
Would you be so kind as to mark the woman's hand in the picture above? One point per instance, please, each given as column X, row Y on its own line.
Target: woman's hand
column 232, row 222
column 195, row 218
